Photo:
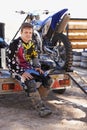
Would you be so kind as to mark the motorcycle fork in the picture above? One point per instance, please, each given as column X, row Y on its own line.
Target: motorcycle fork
column 49, row 33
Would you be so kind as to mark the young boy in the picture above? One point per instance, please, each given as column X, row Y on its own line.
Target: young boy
column 23, row 60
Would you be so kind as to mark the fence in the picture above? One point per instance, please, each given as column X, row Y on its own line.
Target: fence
column 77, row 34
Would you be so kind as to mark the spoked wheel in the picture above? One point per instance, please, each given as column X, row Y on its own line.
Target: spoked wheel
column 64, row 57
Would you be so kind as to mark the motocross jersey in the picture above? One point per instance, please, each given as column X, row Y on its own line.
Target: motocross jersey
column 19, row 55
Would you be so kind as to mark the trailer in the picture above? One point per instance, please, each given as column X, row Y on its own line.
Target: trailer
column 62, row 80
column 8, row 84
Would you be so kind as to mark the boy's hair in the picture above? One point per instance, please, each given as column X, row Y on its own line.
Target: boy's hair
column 26, row 25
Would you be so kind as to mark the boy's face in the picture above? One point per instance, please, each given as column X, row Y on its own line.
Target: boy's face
column 26, row 34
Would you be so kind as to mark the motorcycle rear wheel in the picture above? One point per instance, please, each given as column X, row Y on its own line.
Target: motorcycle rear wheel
column 65, row 56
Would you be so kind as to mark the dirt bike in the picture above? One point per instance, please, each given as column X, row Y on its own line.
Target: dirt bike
column 53, row 46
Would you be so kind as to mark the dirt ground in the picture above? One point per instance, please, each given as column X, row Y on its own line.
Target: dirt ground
column 69, row 112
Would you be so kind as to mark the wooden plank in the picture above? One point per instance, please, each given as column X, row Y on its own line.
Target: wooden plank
column 79, row 46
column 77, row 36
column 78, row 20
column 78, row 40
column 77, row 30
column 77, row 26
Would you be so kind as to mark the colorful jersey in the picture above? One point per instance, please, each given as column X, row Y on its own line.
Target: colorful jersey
column 19, row 55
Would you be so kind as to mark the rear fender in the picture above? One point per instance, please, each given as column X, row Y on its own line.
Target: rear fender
column 56, row 18
column 62, row 25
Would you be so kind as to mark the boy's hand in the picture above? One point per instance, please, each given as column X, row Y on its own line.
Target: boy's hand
column 26, row 75
column 39, row 70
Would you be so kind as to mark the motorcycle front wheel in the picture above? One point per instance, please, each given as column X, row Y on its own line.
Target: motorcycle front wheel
column 64, row 51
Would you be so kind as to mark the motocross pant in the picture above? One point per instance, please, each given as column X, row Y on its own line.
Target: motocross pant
column 36, row 93
column 45, row 79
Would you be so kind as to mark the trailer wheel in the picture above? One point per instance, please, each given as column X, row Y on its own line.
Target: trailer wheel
column 60, row 91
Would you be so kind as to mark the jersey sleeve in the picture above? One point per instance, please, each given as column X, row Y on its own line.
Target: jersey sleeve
column 12, row 64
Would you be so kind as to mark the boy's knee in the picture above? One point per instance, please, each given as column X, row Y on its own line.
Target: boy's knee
column 31, row 85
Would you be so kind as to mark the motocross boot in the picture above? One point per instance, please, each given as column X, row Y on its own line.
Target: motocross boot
column 44, row 111
column 43, row 92
column 44, row 88
column 39, row 105
column 36, row 99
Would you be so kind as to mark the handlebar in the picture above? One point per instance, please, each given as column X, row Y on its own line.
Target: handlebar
column 28, row 13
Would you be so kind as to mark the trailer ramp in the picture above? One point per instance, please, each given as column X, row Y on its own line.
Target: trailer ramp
column 78, row 80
